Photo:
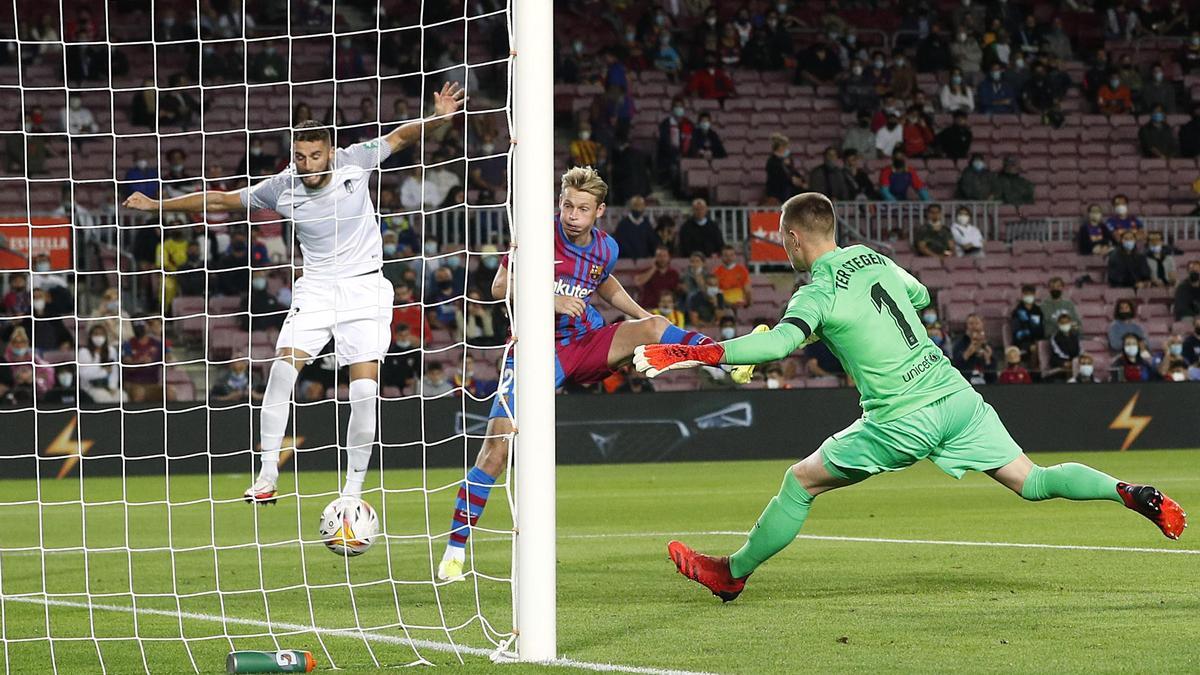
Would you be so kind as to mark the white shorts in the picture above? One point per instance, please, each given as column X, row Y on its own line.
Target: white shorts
column 356, row 312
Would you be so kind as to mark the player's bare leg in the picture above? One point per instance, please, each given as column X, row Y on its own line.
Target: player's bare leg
column 632, row 333
column 273, row 419
column 777, row 527
column 1080, row 482
column 473, row 495
column 360, row 430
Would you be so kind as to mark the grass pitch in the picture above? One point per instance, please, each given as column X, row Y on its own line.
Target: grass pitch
column 937, row 601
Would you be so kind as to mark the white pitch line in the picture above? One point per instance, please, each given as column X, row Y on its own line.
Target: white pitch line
column 349, row 633
column 731, row 533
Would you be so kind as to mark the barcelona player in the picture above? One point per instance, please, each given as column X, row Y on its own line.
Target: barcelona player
column 586, row 350
column 915, row 404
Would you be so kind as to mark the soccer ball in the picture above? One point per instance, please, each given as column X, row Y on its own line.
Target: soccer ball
column 349, row 526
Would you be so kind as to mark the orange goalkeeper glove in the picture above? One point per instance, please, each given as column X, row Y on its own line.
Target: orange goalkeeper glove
column 655, row 359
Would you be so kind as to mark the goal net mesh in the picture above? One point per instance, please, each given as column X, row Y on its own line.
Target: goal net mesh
column 136, row 346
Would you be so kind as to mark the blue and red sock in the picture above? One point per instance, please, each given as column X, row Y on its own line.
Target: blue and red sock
column 472, row 497
column 674, row 335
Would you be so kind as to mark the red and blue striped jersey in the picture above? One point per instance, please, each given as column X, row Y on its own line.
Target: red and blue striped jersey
column 578, row 272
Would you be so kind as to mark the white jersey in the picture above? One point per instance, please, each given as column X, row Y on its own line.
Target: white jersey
column 336, row 225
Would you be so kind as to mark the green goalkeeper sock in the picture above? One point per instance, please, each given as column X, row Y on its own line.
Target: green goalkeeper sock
column 1069, row 481
column 777, row 527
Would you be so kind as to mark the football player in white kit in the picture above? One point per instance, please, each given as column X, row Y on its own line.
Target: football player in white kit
column 343, row 293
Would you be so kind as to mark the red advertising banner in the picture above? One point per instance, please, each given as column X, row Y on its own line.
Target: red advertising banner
column 21, row 240
column 765, row 244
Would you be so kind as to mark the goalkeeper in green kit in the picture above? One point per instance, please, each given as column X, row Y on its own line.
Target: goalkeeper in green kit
column 915, row 404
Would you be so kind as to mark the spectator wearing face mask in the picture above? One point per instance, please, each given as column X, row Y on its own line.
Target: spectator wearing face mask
column 1011, row 187
column 1123, row 323
column 1122, row 220
column 972, row 354
column 434, row 383
column 704, row 305
column 862, row 186
column 443, row 311
column 890, row 136
column 955, row 95
column 966, row 52
column 674, row 142
column 1086, row 372
column 1156, row 137
column 1128, row 267
column 1094, row 236
column 955, row 140
column 407, row 311
column 1187, row 293
column 700, row 233
column 773, row 375
column 706, row 142
column 830, row 177
column 933, row 328
column 1158, row 92
column 1191, row 345
column 141, row 177
column 1014, row 372
column 711, row 82
column 1028, row 324
column 1162, row 263
column 977, row 183
column 933, row 238
column 1064, row 348
column 783, row 179
column 856, row 91
column 1057, row 306
column 904, row 77
column 968, row 240
column 918, row 136
column 1114, row 97
column 1172, row 358
column 584, row 151
column 257, row 161
column 898, row 181
column 666, row 308
column 995, row 95
column 65, row 393
column 860, row 138
column 1133, row 363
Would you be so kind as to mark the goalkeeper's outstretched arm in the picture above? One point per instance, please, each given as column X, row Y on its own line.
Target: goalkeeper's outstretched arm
column 757, row 348
column 445, row 103
column 747, row 350
column 197, row 202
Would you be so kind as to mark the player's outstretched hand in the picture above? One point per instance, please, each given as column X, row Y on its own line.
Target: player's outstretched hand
column 449, row 100
column 572, row 307
column 655, row 359
column 140, row 202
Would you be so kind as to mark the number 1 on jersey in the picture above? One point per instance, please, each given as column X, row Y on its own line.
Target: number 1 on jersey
column 880, row 297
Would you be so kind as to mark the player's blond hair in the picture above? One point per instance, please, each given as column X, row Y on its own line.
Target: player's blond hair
column 811, row 212
column 585, row 179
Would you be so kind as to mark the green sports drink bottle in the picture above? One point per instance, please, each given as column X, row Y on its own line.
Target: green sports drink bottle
column 283, row 661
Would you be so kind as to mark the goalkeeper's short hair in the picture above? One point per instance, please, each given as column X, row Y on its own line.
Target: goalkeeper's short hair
column 311, row 130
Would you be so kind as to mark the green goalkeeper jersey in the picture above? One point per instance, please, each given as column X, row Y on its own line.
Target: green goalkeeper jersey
column 864, row 307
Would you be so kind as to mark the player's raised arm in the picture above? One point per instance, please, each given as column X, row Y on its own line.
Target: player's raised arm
column 615, row 294
column 197, row 202
column 446, row 103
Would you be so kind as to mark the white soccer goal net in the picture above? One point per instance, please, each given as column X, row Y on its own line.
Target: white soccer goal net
column 135, row 346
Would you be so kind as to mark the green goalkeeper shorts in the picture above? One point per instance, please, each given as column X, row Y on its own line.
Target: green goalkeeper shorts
column 959, row 433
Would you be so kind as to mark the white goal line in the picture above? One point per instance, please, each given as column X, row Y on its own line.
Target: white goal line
column 341, row 632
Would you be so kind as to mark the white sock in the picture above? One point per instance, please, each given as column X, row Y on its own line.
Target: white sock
column 360, row 434
column 277, row 405
column 454, row 553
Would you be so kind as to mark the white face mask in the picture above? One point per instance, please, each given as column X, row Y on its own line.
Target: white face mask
column 1131, row 350
column 39, row 305
column 1176, row 349
column 389, row 249
column 488, row 148
column 1178, row 376
column 1121, row 210
column 585, row 135
column 142, row 164
column 431, row 248
column 258, row 283
column 1027, row 299
column 963, row 219
column 773, row 383
column 728, row 333
column 66, row 379
column 1086, row 369
column 98, row 340
column 1064, row 328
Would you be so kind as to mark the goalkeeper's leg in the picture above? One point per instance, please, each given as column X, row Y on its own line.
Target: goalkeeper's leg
column 777, row 527
column 1083, row 483
column 273, row 419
